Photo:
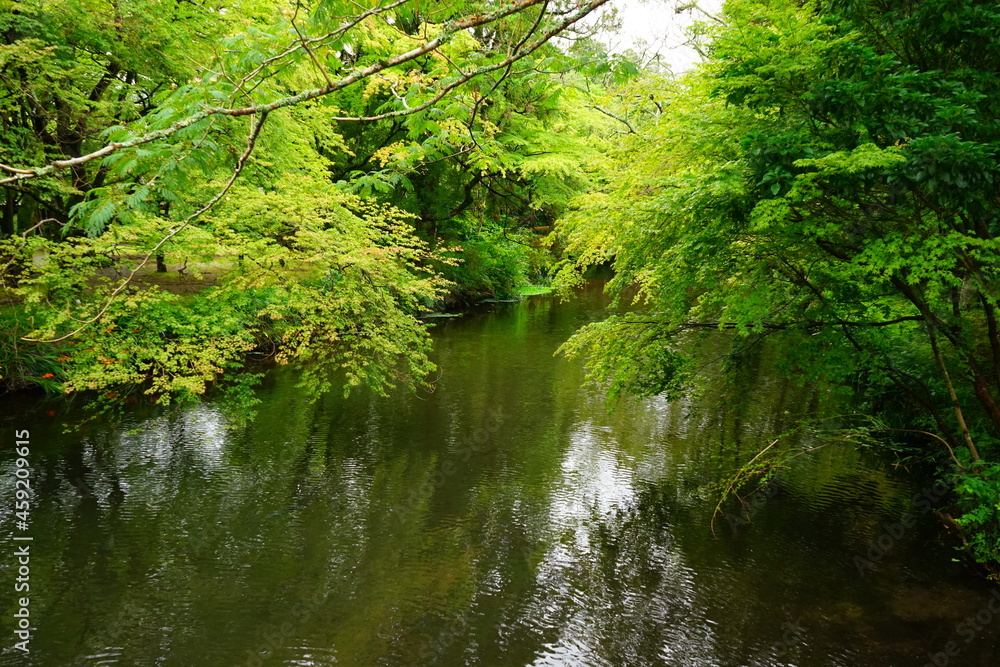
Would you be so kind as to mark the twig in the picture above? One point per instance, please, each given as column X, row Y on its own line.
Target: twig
column 240, row 163
column 541, row 41
column 733, row 482
column 944, row 442
column 339, row 31
column 40, row 223
column 618, row 118
column 305, row 45
column 355, row 76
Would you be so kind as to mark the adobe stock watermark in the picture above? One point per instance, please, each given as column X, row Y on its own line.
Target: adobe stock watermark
column 22, row 541
column 967, row 630
column 438, row 644
column 273, row 636
column 751, row 508
column 923, row 502
column 472, row 443
column 793, row 636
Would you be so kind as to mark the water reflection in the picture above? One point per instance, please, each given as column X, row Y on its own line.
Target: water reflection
column 504, row 519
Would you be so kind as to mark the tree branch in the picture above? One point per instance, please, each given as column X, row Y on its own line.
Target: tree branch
column 541, row 41
column 357, row 75
column 787, row 326
column 240, row 163
column 611, row 115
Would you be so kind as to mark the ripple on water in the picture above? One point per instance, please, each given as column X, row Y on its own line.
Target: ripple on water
column 308, row 656
column 109, row 656
column 569, row 537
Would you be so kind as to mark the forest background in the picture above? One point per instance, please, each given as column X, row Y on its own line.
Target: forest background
column 185, row 183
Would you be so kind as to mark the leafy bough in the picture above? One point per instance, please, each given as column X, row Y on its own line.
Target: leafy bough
column 521, row 50
column 447, row 32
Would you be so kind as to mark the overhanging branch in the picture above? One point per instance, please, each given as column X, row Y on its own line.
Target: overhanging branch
column 258, row 125
column 355, row 76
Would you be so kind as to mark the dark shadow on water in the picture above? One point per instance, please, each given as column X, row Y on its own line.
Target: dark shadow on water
column 506, row 518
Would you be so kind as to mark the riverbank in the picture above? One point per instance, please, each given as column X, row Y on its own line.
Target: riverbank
column 188, row 285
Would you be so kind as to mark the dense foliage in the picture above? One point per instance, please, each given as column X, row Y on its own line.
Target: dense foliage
column 828, row 181
column 184, row 183
column 187, row 182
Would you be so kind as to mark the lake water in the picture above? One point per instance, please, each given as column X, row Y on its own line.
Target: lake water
column 504, row 519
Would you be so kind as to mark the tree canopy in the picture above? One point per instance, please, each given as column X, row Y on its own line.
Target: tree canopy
column 827, row 182
column 305, row 177
column 189, row 182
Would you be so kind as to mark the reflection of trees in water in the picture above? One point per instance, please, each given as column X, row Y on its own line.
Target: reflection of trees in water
column 566, row 533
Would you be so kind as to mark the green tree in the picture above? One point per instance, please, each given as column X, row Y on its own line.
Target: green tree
column 828, row 180
column 212, row 139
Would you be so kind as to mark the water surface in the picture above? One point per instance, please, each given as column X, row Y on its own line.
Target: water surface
column 506, row 518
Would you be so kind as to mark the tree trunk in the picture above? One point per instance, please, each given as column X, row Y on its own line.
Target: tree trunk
column 9, row 212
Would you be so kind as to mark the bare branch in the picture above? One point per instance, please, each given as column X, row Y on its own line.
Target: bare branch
column 611, row 115
column 14, row 170
column 39, row 224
